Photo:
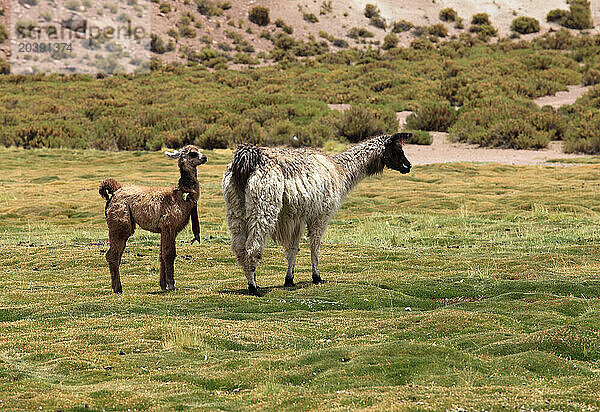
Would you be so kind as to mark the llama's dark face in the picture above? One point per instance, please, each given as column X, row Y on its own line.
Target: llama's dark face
column 189, row 157
column 393, row 156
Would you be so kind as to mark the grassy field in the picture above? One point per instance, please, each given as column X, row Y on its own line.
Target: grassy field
column 499, row 266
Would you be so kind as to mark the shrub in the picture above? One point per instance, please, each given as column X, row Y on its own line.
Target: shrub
column 484, row 30
column 448, row 14
column 259, row 15
column 432, row 116
column 501, row 122
column 157, row 45
column 224, row 47
column 164, row 8
column 191, row 134
column 402, row 26
column 26, row 28
column 284, row 41
column 516, row 133
column 46, row 15
column 481, row 18
column 371, row 11
column 244, row 58
column 359, row 123
column 310, row 17
column 208, row 8
column 582, row 133
column 421, row 44
column 378, row 22
column 550, row 121
column 591, row 77
column 420, row 31
column 4, row 67
column 390, row 41
column 438, row 30
column 3, row 34
column 580, row 15
column 325, row 35
column 525, row 25
column 72, row 4
column 556, row 16
column 187, row 31
column 421, row 137
column 306, row 137
column 284, row 26
column 225, row 5
column 173, row 33
column 341, row 43
column 215, row 137
column 249, row 131
column 356, row 33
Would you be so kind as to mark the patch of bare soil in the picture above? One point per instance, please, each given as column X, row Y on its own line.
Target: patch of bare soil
column 562, row 98
column 443, row 151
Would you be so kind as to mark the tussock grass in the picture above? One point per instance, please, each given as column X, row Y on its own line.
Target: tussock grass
column 499, row 266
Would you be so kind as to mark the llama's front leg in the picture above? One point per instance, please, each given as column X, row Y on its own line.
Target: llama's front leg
column 315, row 234
column 162, row 281
column 167, row 259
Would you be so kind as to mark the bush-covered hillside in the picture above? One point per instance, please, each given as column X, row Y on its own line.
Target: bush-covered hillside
column 488, row 85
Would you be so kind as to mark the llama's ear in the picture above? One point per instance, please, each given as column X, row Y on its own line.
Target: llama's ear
column 401, row 136
column 173, row 155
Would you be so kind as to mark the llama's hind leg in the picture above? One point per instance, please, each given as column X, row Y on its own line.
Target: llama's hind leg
column 255, row 244
column 118, row 239
column 291, row 242
column 120, row 228
column 167, row 260
column 264, row 202
column 316, row 229
column 260, row 226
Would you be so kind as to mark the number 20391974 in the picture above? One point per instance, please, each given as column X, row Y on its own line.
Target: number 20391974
column 45, row 47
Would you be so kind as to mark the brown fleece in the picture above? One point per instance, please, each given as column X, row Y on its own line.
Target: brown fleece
column 158, row 210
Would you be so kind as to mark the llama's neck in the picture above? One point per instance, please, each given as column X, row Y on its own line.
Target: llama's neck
column 359, row 161
column 188, row 182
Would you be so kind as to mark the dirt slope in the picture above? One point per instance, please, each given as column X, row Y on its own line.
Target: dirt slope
column 336, row 20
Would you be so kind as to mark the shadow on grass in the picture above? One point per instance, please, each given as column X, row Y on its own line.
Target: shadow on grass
column 265, row 290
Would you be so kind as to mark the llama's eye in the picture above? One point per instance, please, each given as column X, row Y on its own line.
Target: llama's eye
column 193, row 154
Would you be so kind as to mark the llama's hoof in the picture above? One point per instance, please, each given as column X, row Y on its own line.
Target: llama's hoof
column 171, row 287
column 253, row 290
column 317, row 280
column 289, row 283
column 118, row 289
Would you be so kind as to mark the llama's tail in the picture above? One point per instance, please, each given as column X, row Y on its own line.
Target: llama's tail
column 107, row 188
column 245, row 161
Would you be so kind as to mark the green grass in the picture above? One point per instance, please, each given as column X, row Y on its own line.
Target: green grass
column 499, row 266
column 580, row 160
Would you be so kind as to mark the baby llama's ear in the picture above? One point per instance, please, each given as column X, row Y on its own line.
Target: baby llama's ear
column 173, row 155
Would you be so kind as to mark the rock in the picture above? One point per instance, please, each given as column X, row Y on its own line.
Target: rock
column 408, row 309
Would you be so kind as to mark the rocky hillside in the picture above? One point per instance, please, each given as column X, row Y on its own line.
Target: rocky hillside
column 217, row 32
